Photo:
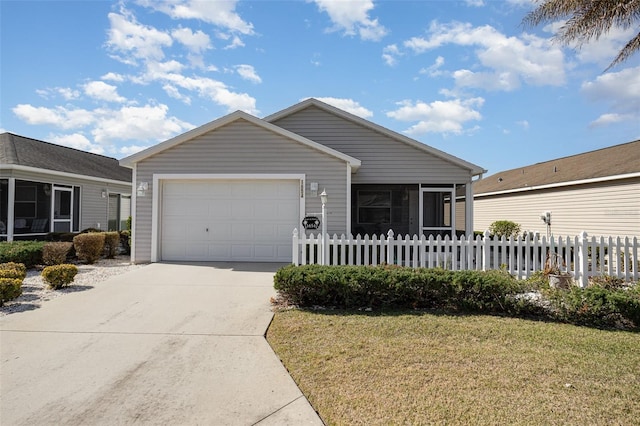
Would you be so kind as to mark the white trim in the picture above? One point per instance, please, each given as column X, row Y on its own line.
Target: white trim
column 560, row 184
column 62, row 174
column 159, row 178
column 135, row 158
column 468, row 206
column 11, row 206
column 474, row 169
column 134, row 202
column 348, row 218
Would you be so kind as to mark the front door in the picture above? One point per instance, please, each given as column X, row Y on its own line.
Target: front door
column 62, row 209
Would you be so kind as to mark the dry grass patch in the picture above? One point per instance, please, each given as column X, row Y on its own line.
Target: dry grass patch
column 415, row 368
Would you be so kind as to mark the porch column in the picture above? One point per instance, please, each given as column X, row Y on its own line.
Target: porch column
column 468, row 209
column 10, row 207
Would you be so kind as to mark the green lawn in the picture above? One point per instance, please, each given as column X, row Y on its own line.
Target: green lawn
column 419, row 368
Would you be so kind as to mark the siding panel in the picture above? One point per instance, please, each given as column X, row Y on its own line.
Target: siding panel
column 384, row 159
column 607, row 208
column 93, row 208
column 243, row 148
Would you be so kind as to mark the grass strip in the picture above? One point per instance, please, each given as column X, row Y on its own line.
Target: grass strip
column 410, row 367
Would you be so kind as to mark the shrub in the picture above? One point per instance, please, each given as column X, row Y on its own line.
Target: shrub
column 58, row 276
column 13, row 270
column 597, row 306
column 10, row 288
column 393, row 286
column 28, row 253
column 60, row 236
column 505, row 228
column 125, row 241
column 55, row 253
column 111, row 243
column 89, row 246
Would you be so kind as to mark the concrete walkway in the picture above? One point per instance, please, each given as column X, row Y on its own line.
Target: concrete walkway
column 170, row 344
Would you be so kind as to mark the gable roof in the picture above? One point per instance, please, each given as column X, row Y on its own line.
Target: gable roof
column 238, row 115
column 606, row 163
column 18, row 150
column 475, row 170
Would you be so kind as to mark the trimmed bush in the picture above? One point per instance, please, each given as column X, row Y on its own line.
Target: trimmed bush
column 10, row 288
column 58, row 276
column 55, row 253
column 393, row 286
column 597, row 306
column 60, row 236
column 28, row 253
column 13, row 270
column 89, row 246
column 111, row 243
column 505, row 228
column 125, row 241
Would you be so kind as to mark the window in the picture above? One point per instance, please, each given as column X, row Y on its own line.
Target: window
column 4, row 205
column 119, row 211
column 374, row 207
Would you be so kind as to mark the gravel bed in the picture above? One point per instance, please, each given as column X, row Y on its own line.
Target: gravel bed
column 35, row 291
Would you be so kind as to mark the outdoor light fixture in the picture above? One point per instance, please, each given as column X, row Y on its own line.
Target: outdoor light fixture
column 47, row 190
column 323, row 197
column 104, row 193
column 142, row 189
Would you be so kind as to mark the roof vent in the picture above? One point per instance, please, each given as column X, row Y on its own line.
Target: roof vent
column 499, row 179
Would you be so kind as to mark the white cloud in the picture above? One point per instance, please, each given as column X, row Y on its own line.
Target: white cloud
column 474, row 3
column 352, row 17
column 348, row 105
column 523, row 123
column 60, row 117
column 131, row 149
column 145, row 123
column 621, row 90
column 65, row 92
column 77, row 141
column 221, row 13
column 390, row 54
column 507, row 61
column 173, row 92
column 434, row 70
column 247, row 72
column 196, row 42
column 132, row 41
column 446, row 117
column 102, row 91
column 606, row 48
column 112, row 76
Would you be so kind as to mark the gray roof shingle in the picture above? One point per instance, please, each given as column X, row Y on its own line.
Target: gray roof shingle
column 23, row 151
column 612, row 161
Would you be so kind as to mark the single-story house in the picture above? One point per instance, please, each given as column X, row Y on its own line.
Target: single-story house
column 46, row 187
column 597, row 192
column 235, row 189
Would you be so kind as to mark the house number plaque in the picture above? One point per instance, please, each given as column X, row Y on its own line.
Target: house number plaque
column 311, row 222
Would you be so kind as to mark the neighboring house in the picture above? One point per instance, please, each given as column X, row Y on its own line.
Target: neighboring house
column 597, row 192
column 51, row 188
column 235, row 189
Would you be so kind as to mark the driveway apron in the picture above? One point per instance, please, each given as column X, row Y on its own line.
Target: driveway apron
column 172, row 344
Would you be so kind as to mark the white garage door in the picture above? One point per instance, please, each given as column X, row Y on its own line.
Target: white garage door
column 229, row 220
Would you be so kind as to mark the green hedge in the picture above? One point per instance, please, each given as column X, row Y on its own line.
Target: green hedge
column 391, row 286
column 28, row 253
column 58, row 276
column 496, row 292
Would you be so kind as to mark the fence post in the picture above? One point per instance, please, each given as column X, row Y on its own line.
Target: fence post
column 390, row 247
column 486, row 251
column 295, row 247
column 582, row 264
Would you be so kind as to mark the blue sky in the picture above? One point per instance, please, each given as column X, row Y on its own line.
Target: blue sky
column 462, row 76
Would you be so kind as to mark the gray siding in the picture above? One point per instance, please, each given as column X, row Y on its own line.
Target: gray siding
column 384, row 160
column 93, row 208
column 243, row 148
column 605, row 208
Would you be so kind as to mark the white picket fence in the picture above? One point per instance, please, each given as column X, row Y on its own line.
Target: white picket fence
column 582, row 256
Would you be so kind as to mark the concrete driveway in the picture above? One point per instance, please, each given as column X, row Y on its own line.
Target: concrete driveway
column 171, row 344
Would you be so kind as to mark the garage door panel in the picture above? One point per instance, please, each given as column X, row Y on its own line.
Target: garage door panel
column 248, row 220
